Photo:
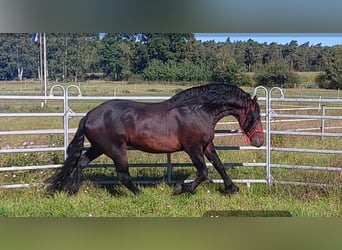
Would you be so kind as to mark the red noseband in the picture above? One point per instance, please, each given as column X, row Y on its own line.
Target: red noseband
column 250, row 134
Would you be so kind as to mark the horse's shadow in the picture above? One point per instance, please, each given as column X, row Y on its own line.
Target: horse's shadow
column 112, row 185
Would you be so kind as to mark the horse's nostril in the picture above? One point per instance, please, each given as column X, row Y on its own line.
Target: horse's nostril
column 257, row 141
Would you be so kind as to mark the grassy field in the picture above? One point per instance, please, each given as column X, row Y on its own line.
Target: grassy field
column 157, row 200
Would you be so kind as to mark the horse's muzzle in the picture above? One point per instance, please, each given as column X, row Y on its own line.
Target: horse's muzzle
column 257, row 140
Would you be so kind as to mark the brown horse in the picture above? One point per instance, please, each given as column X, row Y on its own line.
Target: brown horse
column 185, row 122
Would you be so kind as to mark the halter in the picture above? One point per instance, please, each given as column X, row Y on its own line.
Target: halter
column 251, row 133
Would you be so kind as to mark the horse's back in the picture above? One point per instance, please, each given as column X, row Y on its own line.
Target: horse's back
column 145, row 126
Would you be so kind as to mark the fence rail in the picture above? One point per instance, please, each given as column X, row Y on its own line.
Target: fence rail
column 270, row 116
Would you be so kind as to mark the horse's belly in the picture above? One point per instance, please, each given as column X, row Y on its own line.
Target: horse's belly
column 155, row 133
column 156, row 144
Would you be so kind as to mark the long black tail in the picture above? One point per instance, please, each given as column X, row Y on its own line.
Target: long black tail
column 63, row 176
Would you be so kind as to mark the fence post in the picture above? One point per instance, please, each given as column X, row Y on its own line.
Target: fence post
column 268, row 136
column 322, row 121
column 65, row 119
column 169, row 167
column 268, row 146
column 67, row 111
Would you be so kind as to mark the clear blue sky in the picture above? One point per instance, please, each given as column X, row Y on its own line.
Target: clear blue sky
column 313, row 39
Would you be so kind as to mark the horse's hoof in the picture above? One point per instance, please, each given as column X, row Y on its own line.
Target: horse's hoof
column 49, row 189
column 178, row 189
column 232, row 190
column 71, row 189
column 137, row 192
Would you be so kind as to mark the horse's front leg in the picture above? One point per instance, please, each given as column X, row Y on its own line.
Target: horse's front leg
column 212, row 156
column 197, row 157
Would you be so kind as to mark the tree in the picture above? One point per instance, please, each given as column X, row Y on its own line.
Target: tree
column 112, row 59
column 289, row 53
column 194, row 51
column 166, row 46
column 23, row 57
column 252, row 55
column 302, row 62
column 226, row 69
column 139, row 59
column 57, row 55
column 79, row 55
column 17, row 56
column 318, row 57
column 159, row 56
column 72, row 55
column 333, row 70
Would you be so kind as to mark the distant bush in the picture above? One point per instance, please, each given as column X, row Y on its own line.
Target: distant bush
column 173, row 71
column 232, row 73
column 244, row 79
column 276, row 74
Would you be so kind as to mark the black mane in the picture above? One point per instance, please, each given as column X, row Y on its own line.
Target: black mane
column 210, row 95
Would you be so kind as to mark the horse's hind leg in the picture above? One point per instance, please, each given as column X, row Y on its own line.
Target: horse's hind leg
column 91, row 154
column 120, row 159
column 212, row 156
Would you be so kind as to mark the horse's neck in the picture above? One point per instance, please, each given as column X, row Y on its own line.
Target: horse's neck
column 219, row 114
column 217, row 117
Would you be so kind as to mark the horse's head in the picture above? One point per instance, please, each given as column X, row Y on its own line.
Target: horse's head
column 251, row 125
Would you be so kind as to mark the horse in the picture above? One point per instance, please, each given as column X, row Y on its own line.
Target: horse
column 184, row 122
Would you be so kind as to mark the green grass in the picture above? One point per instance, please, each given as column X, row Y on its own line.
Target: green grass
column 157, row 200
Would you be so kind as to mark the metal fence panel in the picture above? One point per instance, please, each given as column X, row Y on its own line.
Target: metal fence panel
column 270, row 115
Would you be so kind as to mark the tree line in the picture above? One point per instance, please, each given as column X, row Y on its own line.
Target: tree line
column 174, row 57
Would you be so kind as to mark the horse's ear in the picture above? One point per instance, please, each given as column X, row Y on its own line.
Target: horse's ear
column 255, row 98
